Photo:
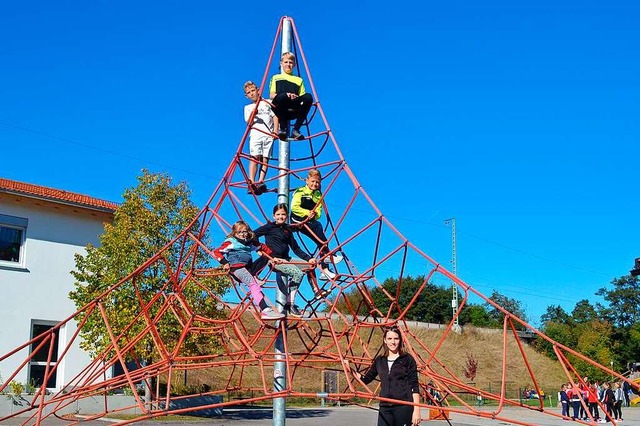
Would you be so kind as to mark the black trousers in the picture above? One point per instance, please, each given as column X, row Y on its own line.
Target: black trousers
column 395, row 415
column 617, row 410
column 593, row 409
column 257, row 265
column 316, row 233
column 287, row 109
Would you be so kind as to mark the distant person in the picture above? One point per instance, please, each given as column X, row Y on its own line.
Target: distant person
column 290, row 101
column 584, row 391
column 609, row 400
column 260, row 137
column 279, row 238
column 434, row 393
column 574, row 397
column 235, row 255
column 626, row 388
column 306, row 210
column 593, row 400
column 564, row 400
column 617, row 405
column 398, row 374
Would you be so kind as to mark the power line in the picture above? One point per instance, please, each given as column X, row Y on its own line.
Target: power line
column 486, row 240
column 535, row 255
column 104, row 150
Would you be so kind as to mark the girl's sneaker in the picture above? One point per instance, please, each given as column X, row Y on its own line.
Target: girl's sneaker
column 293, row 310
column 321, row 293
column 328, row 275
column 270, row 314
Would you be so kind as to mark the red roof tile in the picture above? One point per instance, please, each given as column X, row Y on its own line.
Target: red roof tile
column 51, row 194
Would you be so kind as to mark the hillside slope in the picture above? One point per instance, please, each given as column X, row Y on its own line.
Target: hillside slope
column 484, row 345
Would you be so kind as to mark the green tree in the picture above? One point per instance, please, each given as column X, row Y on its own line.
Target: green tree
column 584, row 312
column 512, row 305
column 477, row 316
column 152, row 214
column 630, row 350
column 351, row 302
column 556, row 314
column 623, row 311
column 433, row 303
column 624, row 301
column 562, row 333
column 593, row 339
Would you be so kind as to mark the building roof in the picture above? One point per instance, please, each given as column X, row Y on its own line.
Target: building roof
column 55, row 195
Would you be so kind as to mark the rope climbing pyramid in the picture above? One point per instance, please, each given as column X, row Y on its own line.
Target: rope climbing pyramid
column 228, row 343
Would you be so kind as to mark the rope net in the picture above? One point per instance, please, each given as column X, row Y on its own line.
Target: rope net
column 231, row 354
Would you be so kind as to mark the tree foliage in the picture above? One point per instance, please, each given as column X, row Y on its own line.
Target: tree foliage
column 629, row 351
column 584, row 312
column 476, row 315
column 623, row 312
column 352, row 302
column 562, row 333
column 512, row 305
column 591, row 338
column 432, row 304
column 555, row 314
column 594, row 341
column 152, row 214
column 605, row 333
column 624, row 301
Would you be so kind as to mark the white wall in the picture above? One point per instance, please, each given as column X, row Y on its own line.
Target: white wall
column 54, row 234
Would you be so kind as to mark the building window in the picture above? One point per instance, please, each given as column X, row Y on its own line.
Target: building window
column 13, row 231
column 38, row 362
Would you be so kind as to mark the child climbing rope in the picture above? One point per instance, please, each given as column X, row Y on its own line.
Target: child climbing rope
column 260, row 136
column 290, row 101
column 235, row 255
column 306, row 209
column 279, row 238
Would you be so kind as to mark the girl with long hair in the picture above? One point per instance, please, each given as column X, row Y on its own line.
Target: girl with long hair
column 235, row 255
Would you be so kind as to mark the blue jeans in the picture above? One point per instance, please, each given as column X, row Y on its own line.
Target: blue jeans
column 576, row 409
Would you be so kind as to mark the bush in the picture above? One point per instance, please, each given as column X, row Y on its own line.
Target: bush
column 17, row 388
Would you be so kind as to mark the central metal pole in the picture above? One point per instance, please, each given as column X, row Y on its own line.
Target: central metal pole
column 280, row 366
column 454, row 286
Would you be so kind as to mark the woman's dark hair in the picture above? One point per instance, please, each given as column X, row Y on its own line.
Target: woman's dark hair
column 394, row 329
column 281, row 206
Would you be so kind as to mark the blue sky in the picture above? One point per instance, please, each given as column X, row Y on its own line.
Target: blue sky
column 519, row 120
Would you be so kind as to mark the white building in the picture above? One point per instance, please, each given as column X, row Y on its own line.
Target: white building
column 40, row 231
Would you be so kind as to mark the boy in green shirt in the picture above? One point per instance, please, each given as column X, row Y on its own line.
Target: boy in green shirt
column 306, row 209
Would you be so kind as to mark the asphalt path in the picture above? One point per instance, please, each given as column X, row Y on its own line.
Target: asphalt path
column 350, row 416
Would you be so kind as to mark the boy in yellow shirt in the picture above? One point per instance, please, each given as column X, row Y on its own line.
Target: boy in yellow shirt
column 306, row 209
column 290, row 101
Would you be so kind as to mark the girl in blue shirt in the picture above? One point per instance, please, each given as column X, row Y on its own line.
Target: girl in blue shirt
column 235, row 255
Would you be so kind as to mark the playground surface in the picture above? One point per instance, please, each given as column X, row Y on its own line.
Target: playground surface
column 344, row 416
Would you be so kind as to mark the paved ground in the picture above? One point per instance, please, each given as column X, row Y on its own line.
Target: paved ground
column 351, row 416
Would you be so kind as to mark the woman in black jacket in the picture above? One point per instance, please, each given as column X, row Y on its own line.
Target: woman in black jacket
column 398, row 374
